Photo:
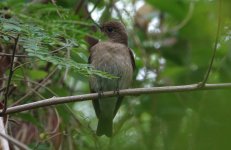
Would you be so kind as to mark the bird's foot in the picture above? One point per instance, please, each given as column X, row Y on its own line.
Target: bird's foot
column 100, row 94
column 117, row 91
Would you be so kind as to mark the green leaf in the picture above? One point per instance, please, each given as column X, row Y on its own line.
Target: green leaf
column 11, row 27
column 6, row 38
column 37, row 74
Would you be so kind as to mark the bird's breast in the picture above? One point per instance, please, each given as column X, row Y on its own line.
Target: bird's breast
column 115, row 60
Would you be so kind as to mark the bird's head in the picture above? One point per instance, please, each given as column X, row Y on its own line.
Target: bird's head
column 115, row 31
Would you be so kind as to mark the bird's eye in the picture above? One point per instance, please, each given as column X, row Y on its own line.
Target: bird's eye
column 110, row 29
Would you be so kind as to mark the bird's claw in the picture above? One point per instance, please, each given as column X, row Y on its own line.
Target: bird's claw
column 200, row 85
column 100, row 94
column 117, row 92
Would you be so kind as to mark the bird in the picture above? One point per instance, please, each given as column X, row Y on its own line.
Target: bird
column 114, row 57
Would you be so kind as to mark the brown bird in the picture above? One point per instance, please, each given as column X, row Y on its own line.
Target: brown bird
column 114, row 57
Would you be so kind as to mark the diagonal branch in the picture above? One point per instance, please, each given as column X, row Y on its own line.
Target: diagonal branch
column 37, row 87
column 5, row 139
column 95, row 6
column 14, row 142
column 10, row 77
column 6, row 34
column 16, row 55
column 136, row 91
column 214, row 49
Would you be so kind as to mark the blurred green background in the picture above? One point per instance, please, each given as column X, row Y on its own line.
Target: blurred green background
column 173, row 42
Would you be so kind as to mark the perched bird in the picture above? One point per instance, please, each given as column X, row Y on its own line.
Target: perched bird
column 114, row 57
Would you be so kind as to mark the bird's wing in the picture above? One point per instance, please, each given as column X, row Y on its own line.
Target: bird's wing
column 96, row 107
column 89, row 59
column 132, row 59
column 96, row 101
column 91, row 41
column 118, row 103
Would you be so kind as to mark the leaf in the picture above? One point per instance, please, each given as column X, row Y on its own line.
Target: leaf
column 37, row 74
column 11, row 27
column 36, row 40
column 83, row 56
column 5, row 37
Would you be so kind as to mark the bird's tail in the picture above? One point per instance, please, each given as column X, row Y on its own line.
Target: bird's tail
column 104, row 127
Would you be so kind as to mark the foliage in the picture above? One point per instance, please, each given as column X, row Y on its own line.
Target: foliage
column 173, row 42
column 39, row 37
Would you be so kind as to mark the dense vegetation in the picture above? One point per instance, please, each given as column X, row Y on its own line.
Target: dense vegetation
column 173, row 42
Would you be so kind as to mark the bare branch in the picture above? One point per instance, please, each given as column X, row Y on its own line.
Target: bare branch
column 5, row 138
column 36, row 87
column 186, row 19
column 10, row 76
column 215, row 47
column 15, row 142
column 5, row 54
column 4, row 144
column 95, row 6
column 137, row 91
column 6, row 34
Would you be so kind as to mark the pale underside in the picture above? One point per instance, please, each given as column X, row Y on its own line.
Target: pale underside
column 113, row 58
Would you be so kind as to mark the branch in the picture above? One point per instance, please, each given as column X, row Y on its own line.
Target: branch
column 92, row 96
column 215, row 47
column 35, row 88
column 4, row 144
column 11, row 140
column 6, row 34
column 186, row 19
column 5, row 54
column 95, row 6
column 10, row 77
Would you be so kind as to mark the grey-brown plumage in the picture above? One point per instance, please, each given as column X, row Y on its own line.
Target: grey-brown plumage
column 112, row 56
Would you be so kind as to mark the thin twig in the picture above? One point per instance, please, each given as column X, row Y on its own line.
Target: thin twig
column 56, row 128
column 186, row 19
column 30, row 81
column 89, row 14
column 16, row 55
column 19, row 66
column 48, row 138
column 68, row 55
column 52, row 92
column 118, row 13
column 76, row 22
column 22, row 64
column 202, row 84
column 4, row 142
column 10, row 139
column 79, row 6
column 137, row 91
column 138, row 43
column 10, row 77
column 57, row 10
column 35, row 88
column 15, row 142
column 3, row 33
column 56, row 50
